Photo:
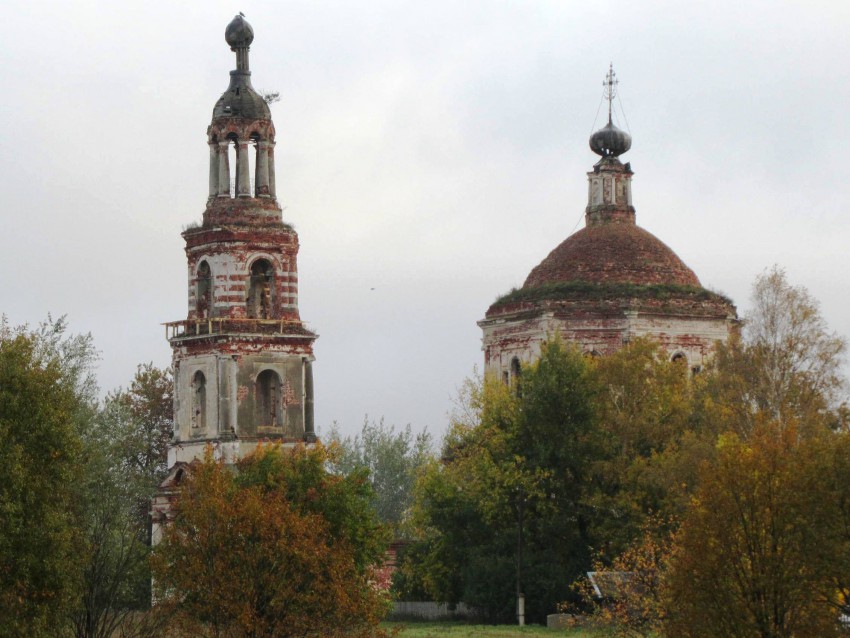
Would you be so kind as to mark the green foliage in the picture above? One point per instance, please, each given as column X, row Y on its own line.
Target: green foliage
column 586, row 456
column 799, row 358
column 787, row 366
column 831, row 455
column 145, row 433
column 115, row 576
column 73, row 533
column 652, row 448
column 632, row 586
column 511, row 464
column 277, row 548
column 125, row 456
column 747, row 557
column 343, row 501
column 45, row 393
column 392, row 459
column 463, row 630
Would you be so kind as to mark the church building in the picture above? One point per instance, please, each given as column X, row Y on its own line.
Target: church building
column 608, row 283
column 242, row 357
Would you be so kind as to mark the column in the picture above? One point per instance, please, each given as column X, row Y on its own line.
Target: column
column 261, row 182
column 242, row 59
column 309, row 432
column 272, row 190
column 223, row 170
column 213, row 169
column 243, row 170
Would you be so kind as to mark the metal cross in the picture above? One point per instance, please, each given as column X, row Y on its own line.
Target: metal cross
column 610, row 88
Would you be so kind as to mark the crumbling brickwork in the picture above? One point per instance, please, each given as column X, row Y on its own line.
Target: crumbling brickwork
column 607, row 284
column 242, row 357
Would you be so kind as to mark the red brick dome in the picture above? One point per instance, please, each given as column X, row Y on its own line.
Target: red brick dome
column 612, row 253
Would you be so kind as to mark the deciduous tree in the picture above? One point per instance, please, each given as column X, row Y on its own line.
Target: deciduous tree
column 44, row 397
column 651, row 451
column 799, row 357
column 278, row 547
column 393, row 459
column 144, row 439
column 787, row 364
column 632, row 587
column 114, row 498
column 515, row 466
column 746, row 559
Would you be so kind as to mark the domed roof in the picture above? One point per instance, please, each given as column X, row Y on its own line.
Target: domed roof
column 612, row 253
column 241, row 100
column 239, row 33
column 609, row 141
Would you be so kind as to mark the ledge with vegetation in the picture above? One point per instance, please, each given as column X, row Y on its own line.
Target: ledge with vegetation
column 581, row 290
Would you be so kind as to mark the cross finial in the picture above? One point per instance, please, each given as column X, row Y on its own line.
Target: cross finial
column 610, row 88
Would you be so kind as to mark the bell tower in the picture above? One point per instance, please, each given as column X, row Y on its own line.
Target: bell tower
column 242, row 357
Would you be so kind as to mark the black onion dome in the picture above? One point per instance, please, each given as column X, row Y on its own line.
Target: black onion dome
column 241, row 100
column 609, row 141
column 239, row 33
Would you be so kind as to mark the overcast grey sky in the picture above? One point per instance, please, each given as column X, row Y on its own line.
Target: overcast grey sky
column 432, row 151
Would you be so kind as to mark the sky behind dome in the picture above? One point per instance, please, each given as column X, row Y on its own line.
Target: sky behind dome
column 428, row 154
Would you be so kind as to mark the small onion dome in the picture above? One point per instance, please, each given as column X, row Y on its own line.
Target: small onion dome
column 610, row 141
column 239, row 33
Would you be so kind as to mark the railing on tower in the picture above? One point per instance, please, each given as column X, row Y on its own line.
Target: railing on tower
column 222, row 325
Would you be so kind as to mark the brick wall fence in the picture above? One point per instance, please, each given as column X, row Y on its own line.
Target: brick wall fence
column 427, row 611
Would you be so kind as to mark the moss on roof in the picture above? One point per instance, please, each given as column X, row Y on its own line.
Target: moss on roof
column 581, row 290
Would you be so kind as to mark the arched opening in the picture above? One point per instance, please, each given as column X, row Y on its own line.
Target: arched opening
column 203, row 293
column 260, row 290
column 679, row 358
column 516, row 368
column 199, row 401
column 232, row 162
column 254, row 164
column 267, row 400
column 516, row 375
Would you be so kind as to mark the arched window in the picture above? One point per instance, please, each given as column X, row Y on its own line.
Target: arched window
column 260, row 290
column 679, row 357
column 267, row 400
column 199, row 400
column 516, row 375
column 203, row 294
column 516, row 369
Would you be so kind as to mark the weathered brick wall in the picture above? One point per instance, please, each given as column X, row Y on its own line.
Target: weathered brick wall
column 230, row 253
column 231, row 366
column 684, row 326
